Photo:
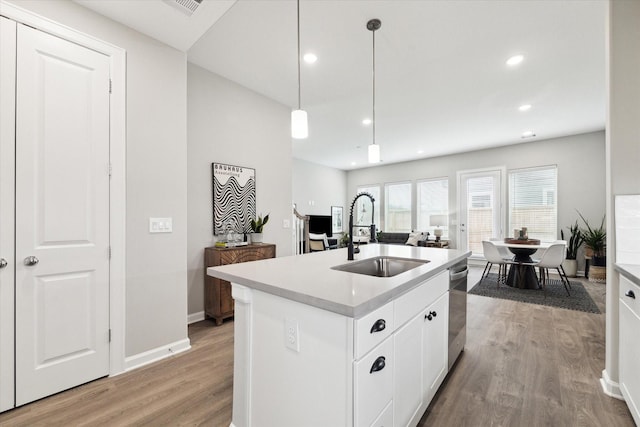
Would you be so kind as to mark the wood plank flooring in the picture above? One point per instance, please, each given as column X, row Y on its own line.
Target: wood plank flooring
column 523, row 365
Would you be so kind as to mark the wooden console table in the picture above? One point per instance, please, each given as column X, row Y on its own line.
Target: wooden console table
column 218, row 302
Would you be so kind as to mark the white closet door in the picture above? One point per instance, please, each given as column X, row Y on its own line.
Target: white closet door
column 62, row 205
column 7, row 191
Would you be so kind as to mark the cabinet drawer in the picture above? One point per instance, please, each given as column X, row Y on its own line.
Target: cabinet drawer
column 414, row 301
column 373, row 384
column 627, row 288
column 372, row 329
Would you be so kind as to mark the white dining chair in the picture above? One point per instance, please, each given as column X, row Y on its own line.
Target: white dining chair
column 552, row 258
column 493, row 256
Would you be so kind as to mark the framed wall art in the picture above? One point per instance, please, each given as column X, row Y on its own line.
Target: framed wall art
column 336, row 219
column 234, row 198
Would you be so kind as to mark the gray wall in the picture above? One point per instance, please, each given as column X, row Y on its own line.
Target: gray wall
column 230, row 124
column 623, row 152
column 316, row 188
column 156, row 78
column 581, row 172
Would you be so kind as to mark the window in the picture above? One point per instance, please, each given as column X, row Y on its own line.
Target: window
column 362, row 209
column 433, row 199
column 532, row 202
column 397, row 207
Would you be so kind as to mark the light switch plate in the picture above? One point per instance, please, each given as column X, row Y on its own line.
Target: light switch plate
column 160, row 225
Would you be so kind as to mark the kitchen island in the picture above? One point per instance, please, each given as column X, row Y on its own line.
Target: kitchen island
column 317, row 346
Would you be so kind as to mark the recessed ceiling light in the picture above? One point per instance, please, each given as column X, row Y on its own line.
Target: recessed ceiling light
column 353, row 163
column 528, row 134
column 366, row 121
column 310, row 58
column 524, row 107
column 514, row 60
column 420, row 151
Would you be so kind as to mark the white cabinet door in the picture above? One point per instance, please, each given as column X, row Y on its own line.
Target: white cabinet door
column 373, row 383
column 435, row 348
column 630, row 346
column 62, row 201
column 7, row 191
column 407, row 394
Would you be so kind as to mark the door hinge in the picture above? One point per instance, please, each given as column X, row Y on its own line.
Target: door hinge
column 109, row 252
column 109, row 335
column 110, row 170
column 110, row 86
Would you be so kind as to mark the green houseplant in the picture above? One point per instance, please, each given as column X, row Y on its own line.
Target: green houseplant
column 570, row 264
column 257, row 226
column 595, row 239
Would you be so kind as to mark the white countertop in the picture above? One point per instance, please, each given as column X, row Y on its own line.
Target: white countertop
column 630, row 271
column 310, row 280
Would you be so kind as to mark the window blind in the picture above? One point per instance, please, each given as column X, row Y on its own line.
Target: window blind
column 432, row 199
column 397, row 207
column 533, row 202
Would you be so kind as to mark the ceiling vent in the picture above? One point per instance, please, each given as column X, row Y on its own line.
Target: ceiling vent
column 185, row 6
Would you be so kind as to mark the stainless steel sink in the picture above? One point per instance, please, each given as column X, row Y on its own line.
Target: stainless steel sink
column 380, row 266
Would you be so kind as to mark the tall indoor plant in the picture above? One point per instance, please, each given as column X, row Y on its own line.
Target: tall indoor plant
column 570, row 264
column 595, row 239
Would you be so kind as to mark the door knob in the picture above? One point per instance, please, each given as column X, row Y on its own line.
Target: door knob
column 31, row 260
column 3, row 263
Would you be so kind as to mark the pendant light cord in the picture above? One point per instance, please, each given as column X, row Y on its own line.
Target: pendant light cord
column 298, row 9
column 374, row 86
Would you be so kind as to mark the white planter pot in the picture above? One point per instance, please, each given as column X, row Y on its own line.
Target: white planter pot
column 570, row 267
column 256, row 237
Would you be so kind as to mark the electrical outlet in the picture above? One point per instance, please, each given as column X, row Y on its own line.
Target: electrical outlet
column 291, row 335
column 286, row 223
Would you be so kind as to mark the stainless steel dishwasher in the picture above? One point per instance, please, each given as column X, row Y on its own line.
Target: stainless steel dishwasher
column 457, row 310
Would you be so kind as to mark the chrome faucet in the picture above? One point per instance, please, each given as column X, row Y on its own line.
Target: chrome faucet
column 372, row 232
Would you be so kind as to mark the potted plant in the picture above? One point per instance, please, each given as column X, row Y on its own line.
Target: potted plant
column 570, row 264
column 595, row 239
column 256, row 227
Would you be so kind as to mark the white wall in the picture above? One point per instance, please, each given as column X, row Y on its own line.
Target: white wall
column 230, row 124
column 581, row 173
column 623, row 153
column 156, row 78
column 316, row 188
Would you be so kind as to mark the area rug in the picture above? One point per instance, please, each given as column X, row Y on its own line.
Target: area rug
column 580, row 300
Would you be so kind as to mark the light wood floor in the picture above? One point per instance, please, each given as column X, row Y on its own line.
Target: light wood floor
column 524, row 365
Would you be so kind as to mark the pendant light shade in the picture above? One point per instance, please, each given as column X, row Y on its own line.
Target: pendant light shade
column 374, row 153
column 299, row 122
column 374, row 149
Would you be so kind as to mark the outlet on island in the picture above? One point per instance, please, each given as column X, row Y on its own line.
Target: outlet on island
column 291, row 336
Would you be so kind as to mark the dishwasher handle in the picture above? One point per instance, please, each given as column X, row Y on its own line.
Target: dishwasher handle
column 459, row 274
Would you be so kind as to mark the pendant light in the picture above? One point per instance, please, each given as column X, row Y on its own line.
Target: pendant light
column 299, row 123
column 374, row 149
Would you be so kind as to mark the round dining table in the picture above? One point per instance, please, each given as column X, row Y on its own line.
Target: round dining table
column 523, row 274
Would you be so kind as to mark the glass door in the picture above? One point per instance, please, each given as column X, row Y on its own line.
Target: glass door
column 480, row 206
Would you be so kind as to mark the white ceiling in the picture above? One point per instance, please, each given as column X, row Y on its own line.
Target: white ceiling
column 442, row 85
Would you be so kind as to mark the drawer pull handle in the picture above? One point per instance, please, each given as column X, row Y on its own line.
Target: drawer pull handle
column 630, row 294
column 378, row 365
column 378, row 326
column 31, row 260
column 431, row 315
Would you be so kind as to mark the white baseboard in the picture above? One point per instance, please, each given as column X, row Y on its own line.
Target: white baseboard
column 159, row 353
column 195, row 317
column 609, row 387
